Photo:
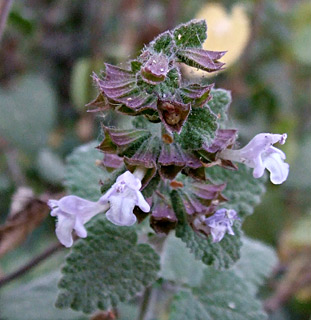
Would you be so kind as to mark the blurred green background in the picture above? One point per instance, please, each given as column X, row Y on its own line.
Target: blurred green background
column 49, row 50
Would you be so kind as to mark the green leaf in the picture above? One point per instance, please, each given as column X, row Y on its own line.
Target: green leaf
column 82, row 174
column 171, row 83
column 27, row 113
column 178, row 264
column 200, row 128
column 220, row 255
column 221, row 295
column 191, row 34
column 50, row 166
column 163, row 43
column 256, row 263
column 35, row 300
column 301, row 45
column 298, row 179
column 81, row 86
column 243, row 190
column 105, row 268
column 219, row 104
column 135, row 66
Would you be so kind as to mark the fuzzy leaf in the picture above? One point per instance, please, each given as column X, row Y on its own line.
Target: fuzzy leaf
column 163, row 43
column 191, row 34
column 83, row 175
column 199, row 129
column 243, row 191
column 220, row 255
column 105, row 268
column 124, row 142
column 221, row 295
column 120, row 86
column 28, row 113
column 178, row 264
column 219, row 104
column 196, row 94
column 152, row 185
column 172, row 82
column 145, row 156
column 34, row 300
column 173, row 159
column 201, row 59
column 223, row 139
column 256, row 263
column 147, row 153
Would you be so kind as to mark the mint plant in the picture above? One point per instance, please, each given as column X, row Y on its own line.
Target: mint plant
column 176, row 169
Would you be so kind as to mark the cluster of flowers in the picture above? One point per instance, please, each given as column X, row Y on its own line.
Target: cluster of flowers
column 73, row 212
column 152, row 88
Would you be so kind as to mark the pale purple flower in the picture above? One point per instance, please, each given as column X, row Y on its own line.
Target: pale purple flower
column 221, row 222
column 72, row 213
column 260, row 154
column 123, row 196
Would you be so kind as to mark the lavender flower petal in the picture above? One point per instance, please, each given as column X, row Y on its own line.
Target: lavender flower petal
column 72, row 213
column 260, row 154
column 221, row 223
column 123, row 196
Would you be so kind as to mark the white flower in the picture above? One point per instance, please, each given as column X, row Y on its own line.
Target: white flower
column 123, row 196
column 72, row 213
column 260, row 155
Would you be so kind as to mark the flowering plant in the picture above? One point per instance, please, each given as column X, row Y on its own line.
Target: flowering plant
column 175, row 170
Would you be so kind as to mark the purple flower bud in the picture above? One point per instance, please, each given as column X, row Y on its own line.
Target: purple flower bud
column 155, row 69
column 123, row 196
column 221, row 222
column 72, row 213
column 260, row 155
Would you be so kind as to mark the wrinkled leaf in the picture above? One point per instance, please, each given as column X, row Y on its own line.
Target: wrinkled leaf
column 256, row 264
column 105, row 268
column 27, row 113
column 191, row 34
column 219, row 104
column 35, row 300
column 199, row 129
column 221, row 295
column 178, row 264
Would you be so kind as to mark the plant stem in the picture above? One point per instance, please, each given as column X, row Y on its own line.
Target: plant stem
column 139, row 173
column 148, row 304
column 31, row 264
column 4, row 12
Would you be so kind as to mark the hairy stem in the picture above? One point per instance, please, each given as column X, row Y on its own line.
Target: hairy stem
column 4, row 12
column 139, row 173
column 31, row 264
column 147, row 306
